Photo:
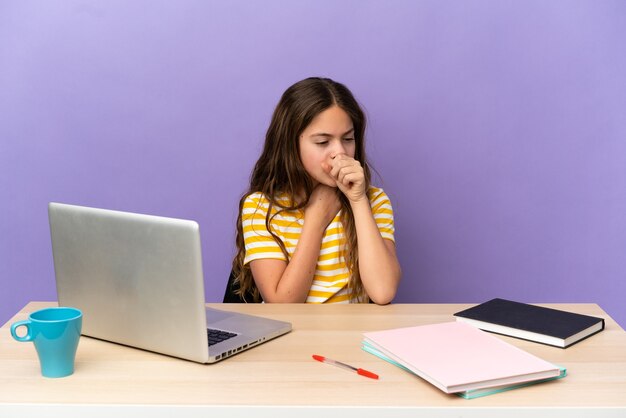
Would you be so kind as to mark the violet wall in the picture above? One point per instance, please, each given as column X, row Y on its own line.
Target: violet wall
column 498, row 127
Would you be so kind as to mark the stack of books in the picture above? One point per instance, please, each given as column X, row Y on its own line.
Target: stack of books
column 459, row 358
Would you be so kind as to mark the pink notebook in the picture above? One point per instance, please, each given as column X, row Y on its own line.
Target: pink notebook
column 457, row 357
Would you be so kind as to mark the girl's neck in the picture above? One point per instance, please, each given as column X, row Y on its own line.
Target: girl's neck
column 301, row 195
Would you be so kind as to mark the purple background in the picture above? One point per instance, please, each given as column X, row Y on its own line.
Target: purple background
column 498, row 127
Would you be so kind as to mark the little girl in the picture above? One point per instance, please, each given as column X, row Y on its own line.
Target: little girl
column 311, row 228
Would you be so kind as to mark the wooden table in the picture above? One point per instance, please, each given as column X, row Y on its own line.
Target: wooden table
column 280, row 379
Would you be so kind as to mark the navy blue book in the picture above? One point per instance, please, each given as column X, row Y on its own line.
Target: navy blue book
column 531, row 322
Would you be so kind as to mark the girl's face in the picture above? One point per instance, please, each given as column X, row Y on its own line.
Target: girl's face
column 329, row 134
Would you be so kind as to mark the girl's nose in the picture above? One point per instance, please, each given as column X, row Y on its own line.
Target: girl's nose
column 338, row 148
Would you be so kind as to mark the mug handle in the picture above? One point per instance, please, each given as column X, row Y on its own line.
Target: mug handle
column 25, row 338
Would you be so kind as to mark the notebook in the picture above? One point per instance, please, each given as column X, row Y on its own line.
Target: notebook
column 138, row 280
column 468, row 394
column 530, row 322
column 457, row 357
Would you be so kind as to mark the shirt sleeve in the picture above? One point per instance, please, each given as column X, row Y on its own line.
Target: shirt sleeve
column 258, row 242
column 383, row 213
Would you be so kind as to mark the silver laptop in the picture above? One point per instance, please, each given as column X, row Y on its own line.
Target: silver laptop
column 138, row 280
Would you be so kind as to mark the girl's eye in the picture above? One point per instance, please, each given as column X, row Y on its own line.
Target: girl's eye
column 348, row 139
column 322, row 143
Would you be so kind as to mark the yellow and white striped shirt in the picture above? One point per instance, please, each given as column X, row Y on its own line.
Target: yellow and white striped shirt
column 331, row 274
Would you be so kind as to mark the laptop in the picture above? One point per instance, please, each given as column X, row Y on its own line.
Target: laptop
column 138, row 280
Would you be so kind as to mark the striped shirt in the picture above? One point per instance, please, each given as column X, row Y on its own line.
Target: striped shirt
column 331, row 274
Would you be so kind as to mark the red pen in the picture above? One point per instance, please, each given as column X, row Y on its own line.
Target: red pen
column 360, row 371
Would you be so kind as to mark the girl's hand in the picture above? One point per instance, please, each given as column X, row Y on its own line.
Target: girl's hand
column 323, row 206
column 349, row 175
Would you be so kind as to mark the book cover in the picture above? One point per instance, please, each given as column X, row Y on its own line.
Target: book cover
column 530, row 322
column 468, row 394
column 457, row 357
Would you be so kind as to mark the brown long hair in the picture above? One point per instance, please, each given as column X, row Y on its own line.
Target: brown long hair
column 279, row 171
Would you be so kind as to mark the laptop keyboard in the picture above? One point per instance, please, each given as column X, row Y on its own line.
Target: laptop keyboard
column 217, row 336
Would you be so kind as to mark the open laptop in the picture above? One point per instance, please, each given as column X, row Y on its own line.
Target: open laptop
column 138, row 280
